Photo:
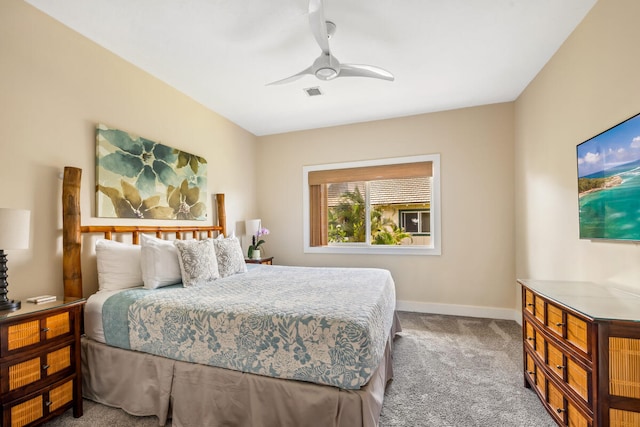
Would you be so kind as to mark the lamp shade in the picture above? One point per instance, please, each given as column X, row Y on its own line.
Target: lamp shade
column 14, row 228
column 252, row 226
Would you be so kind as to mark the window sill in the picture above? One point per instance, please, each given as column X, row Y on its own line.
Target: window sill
column 374, row 250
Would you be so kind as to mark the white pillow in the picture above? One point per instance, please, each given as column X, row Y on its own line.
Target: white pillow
column 230, row 256
column 118, row 265
column 159, row 262
column 198, row 263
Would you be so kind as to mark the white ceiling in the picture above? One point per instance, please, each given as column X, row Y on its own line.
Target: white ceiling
column 445, row 54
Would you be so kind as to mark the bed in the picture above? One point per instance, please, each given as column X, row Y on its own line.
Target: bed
column 247, row 349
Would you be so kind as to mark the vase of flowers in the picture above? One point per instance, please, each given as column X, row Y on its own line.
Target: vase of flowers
column 256, row 242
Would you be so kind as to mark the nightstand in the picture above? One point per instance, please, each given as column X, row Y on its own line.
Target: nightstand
column 264, row 261
column 40, row 370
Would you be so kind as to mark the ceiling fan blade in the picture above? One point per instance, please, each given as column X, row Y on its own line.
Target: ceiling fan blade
column 359, row 70
column 295, row 77
column 319, row 25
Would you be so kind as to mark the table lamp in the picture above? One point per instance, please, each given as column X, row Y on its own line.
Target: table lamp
column 14, row 234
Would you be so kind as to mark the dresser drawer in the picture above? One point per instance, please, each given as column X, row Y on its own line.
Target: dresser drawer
column 21, row 373
column 535, row 340
column 17, row 336
column 535, row 374
column 534, row 305
column 567, row 327
column 566, row 369
column 563, row 409
column 38, row 406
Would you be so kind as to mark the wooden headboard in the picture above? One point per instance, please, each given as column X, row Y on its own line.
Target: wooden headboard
column 72, row 231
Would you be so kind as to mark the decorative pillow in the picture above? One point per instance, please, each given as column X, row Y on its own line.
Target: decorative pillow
column 229, row 255
column 198, row 263
column 118, row 265
column 159, row 262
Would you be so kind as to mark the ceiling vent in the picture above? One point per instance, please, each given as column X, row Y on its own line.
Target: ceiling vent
column 313, row 91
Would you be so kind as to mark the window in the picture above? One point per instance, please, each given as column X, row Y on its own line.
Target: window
column 416, row 222
column 386, row 206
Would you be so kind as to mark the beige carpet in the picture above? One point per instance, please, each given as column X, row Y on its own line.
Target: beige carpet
column 449, row 371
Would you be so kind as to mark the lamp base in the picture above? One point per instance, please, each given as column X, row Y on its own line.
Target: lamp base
column 6, row 304
column 9, row 305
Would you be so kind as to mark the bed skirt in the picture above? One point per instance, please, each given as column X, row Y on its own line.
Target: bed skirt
column 193, row 395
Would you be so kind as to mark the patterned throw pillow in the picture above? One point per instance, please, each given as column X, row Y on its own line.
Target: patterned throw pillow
column 198, row 263
column 230, row 256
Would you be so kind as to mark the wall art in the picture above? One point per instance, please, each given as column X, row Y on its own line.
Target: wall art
column 140, row 178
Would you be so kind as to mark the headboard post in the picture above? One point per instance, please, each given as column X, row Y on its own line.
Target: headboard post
column 222, row 214
column 71, row 236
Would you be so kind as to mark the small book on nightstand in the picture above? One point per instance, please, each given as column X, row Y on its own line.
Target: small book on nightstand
column 41, row 299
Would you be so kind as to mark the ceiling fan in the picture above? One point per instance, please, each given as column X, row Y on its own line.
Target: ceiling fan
column 327, row 66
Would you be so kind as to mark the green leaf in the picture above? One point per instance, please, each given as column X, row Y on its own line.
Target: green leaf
column 122, row 163
column 165, row 173
column 146, row 182
column 183, row 159
column 131, row 194
column 199, row 210
column 160, row 212
column 192, row 195
column 122, row 140
column 122, row 207
column 193, row 162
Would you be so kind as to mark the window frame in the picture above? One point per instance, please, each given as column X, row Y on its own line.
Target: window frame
column 366, row 248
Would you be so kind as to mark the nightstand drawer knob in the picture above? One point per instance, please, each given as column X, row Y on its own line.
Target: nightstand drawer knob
column 559, row 324
column 44, row 330
column 529, row 305
column 530, row 338
column 48, row 403
column 45, row 367
column 559, row 410
column 559, row 366
column 530, row 372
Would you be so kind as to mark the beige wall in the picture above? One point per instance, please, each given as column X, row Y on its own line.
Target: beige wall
column 591, row 84
column 476, row 147
column 54, row 87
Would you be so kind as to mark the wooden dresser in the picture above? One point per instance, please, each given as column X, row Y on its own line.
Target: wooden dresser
column 582, row 351
column 40, row 372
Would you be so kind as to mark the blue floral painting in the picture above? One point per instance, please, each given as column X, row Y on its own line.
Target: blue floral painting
column 140, row 178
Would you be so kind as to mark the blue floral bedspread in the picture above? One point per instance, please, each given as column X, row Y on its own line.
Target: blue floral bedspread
column 322, row 325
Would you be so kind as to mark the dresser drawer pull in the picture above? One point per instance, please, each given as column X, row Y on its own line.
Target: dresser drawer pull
column 530, row 372
column 45, row 367
column 559, row 366
column 531, row 339
column 559, row 410
column 44, row 330
column 559, row 324
column 48, row 403
column 529, row 304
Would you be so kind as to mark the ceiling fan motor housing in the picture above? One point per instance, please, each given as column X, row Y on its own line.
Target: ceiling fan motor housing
column 326, row 67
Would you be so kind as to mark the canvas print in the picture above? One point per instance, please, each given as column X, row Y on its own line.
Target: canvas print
column 609, row 183
column 140, row 178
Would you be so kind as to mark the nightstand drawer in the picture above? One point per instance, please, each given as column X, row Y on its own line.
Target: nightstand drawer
column 21, row 335
column 22, row 373
column 36, row 407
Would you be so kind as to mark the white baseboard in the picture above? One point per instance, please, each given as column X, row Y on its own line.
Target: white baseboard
column 460, row 310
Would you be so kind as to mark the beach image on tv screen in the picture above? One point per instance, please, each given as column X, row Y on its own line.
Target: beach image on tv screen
column 609, row 183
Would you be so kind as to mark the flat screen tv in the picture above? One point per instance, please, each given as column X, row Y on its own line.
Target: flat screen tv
column 609, row 183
